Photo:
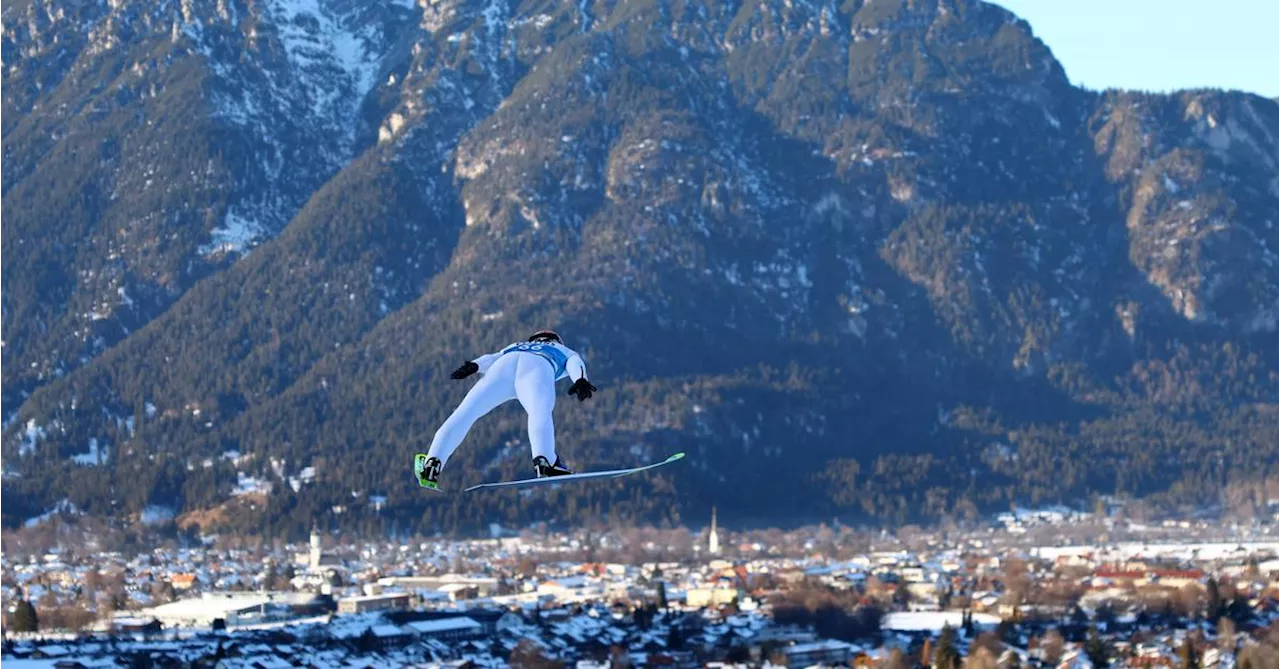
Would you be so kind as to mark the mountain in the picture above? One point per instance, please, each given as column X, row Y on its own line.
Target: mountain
column 874, row 260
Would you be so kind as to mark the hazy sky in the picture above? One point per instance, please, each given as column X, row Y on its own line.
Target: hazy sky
column 1161, row 45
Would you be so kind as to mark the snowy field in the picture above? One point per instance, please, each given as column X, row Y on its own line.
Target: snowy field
column 934, row 621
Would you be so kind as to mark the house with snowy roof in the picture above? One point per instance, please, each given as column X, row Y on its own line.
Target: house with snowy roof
column 455, row 628
column 560, row 587
column 379, row 602
column 491, row 621
column 825, row 652
column 387, row 636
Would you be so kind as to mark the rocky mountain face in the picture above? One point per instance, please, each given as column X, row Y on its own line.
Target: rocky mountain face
column 875, row 259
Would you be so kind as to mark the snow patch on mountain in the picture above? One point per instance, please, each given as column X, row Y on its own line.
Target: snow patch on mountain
column 297, row 102
column 250, row 485
column 235, row 236
column 435, row 15
column 157, row 513
column 321, row 42
column 126, row 423
column 494, row 46
column 64, row 506
column 1264, row 320
column 31, row 437
column 97, row 455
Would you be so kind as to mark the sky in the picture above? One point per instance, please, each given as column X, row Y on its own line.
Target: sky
column 1161, row 45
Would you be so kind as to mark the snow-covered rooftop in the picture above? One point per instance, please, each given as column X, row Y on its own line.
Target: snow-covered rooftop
column 443, row 625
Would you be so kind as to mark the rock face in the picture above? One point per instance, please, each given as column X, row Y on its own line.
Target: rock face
column 878, row 260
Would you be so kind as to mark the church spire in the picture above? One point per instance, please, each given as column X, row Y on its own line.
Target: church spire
column 713, row 541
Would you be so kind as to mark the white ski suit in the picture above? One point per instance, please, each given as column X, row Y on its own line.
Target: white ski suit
column 526, row 371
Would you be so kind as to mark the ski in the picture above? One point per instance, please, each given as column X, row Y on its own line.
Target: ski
column 549, row 480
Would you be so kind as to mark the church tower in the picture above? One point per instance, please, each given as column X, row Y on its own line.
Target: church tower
column 713, row 541
column 315, row 553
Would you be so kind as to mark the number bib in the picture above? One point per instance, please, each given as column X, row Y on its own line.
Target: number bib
column 551, row 354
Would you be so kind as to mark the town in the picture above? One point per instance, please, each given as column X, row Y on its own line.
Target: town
column 1049, row 587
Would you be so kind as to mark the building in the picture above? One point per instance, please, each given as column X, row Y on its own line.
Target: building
column 710, row 596
column 785, row 634
column 1171, row 578
column 713, row 541
column 1179, row 578
column 316, row 552
column 494, row 620
column 233, row 608
column 458, row 591
column 562, row 587
column 133, row 625
column 457, row 628
column 923, row 591
column 491, row 621
column 390, row 636
column 912, row 574
column 367, row 603
column 448, row 583
column 315, row 559
column 827, row 651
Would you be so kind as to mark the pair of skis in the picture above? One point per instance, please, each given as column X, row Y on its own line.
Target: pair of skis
column 420, row 460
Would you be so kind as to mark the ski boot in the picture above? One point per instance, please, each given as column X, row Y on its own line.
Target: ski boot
column 543, row 469
column 427, row 469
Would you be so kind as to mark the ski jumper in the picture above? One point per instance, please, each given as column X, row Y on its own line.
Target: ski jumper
column 525, row 371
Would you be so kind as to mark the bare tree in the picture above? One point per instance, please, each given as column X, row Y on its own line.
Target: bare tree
column 981, row 658
column 1226, row 634
column 896, row 660
column 1051, row 646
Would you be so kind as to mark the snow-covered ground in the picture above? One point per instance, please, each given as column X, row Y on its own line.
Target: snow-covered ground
column 934, row 621
column 63, row 506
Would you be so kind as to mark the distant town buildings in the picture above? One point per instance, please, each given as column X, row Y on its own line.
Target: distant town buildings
column 632, row 594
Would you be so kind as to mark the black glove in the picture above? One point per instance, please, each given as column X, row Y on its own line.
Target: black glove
column 467, row 369
column 582, row 388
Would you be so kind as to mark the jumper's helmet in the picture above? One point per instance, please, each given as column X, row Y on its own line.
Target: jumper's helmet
column 546, row 335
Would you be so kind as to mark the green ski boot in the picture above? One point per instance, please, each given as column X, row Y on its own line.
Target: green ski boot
column 427, row 469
